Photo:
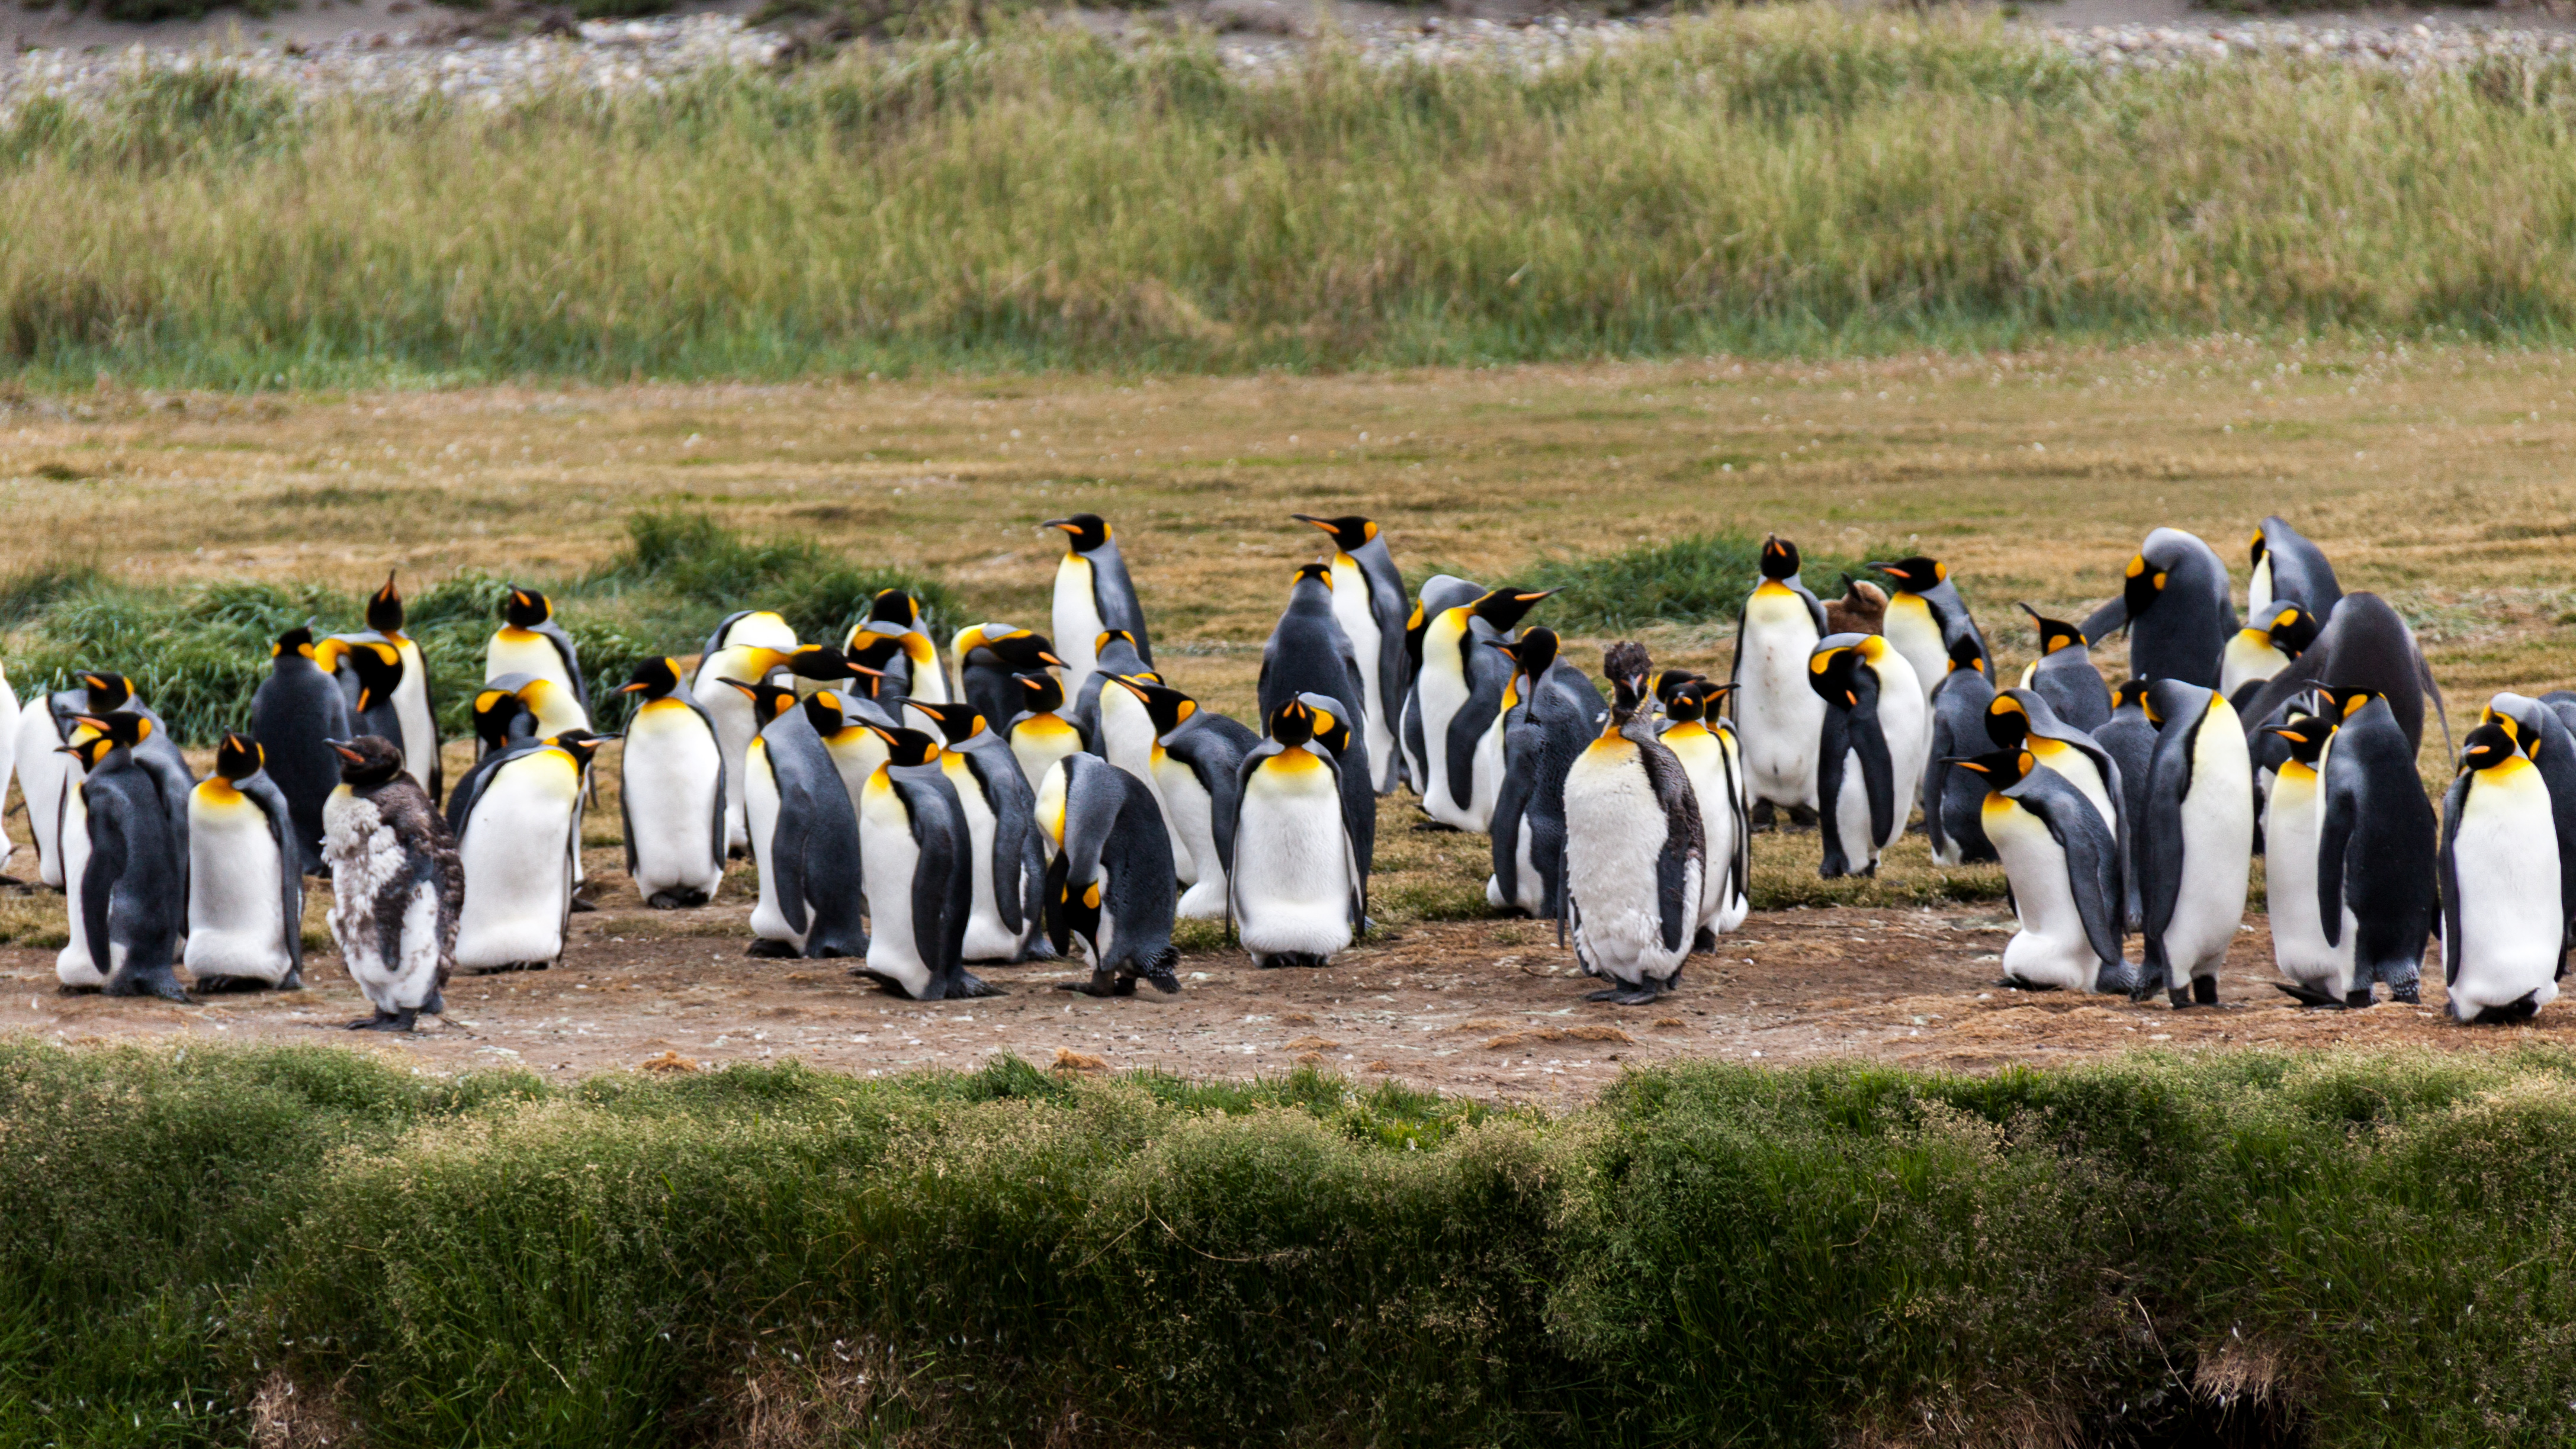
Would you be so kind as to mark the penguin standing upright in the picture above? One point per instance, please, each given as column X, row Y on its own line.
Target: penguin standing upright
column 846, row 724
column 910, row 666
column 1093, row 596
column 2376, row 848
column 530, row 642
column 516, row 818
column 805, row 835
column 245, row 895
column 1196, row 758
column 1928, row 622
column 2504, row 931
column 1116, row 726
column 1635, row 857
column 44, row 774
column 2288, row 569
column 990, row 659
column 295, row 714
column 2177, row 609
column 1038, row 732
column 1349, row 753
column 370, row 675
column 2546, row 739
column 1006, row 911
column 133, row 887
column 1110, row 887
column 1870, row 749
column 2315, row 971
column 1295, row 893
column 733, row 716
column 2064, row 675
column 2269, row 643
column 1779, row 717
column 1368, row 599
column 671, row 792
column 415, row 705
column 396, row 885
column 9, row 716
column 920, row 885
column 2065, row 872
column 1954, row 804
column 1440, row 594
column 2194, row 843
column 1460, row 699
column 2130, row 740
column 1307, row 652
column 1558, row 714
column 1709, row 757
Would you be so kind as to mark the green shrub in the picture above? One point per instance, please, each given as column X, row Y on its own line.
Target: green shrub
column 1699, row 579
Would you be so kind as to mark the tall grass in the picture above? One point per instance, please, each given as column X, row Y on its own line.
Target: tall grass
column 1755, row 180
column 2366, row 1248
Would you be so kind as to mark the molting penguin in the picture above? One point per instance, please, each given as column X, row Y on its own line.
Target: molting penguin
column 2376, row 848
column 1440, row 594
column 2064, row 674
column 133, row 886
column 990, row 659
column 911, row 663
column 2288, row 569
column 2364, row 646
column 733, row 715
column 1460, row 698
column 1635, row 858
column 920, row 884
column 1308, row 653
column 516, row 818
column 415, row 706
column 1197, row 760
column 1008, row 904
column 396, row 885
column 530, row 642
column 1558, row 714
column 2194, row 843
column 805, row 835
column 2504, row 932
column 1368, row 599
column 1295, row 893
column 2177, row 609
column 1110, row 887
column 1927, row 621
column 1954, row 804
column 671, row 791
column 2269, row 643
column 245, row 895
column 295, row 714
column 1861, row 610
column 2130, row 740
column 2064, row 866
column 1709, row 756
column 1093, row 596
column 1870, row 751
column 1038, row 732
column 1778, row 715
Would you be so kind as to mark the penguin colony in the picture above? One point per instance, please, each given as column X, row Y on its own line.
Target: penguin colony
column 1018, row 796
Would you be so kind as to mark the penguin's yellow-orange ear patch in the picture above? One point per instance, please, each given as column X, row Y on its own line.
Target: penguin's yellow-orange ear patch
column 1091, row 895
column 2137, row 565
column 2160, row 580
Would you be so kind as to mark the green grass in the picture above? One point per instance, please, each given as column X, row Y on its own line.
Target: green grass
column 2368, row 1248
column 1790, row 180
column 1698, row 579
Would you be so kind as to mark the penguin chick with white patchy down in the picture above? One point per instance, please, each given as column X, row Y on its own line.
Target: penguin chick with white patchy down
column 1368, row 599
column 2065, row 872
column 2504, row 937
column 2194, row 843
column 245, row 895
column 2064, row 674
column 2176, row 607
column 517, row 821
column 1197, row 758
column 133, row 887
column 1927, row 621
column 1635, row 854
column 1954, row 804
column 1779, row 717
column 1295, row 893
column 1093, row 596
column 1871, row 748
column 396, row 885
column 1110, row 889
column 671, row 791
column 295, row 714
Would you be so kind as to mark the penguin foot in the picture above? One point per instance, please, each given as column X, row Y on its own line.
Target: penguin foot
column 676, row 900
column 385, row 1020
column 1706, row 940
column 2358, row 999
column 1277, row 960
column 1435, row 827
column 2204, row 990
column 968, row 986
column 1763, row 816
column 2407, row 993
column 162, row 983
column 2309, row 996
column 1803, row 817
column 579, row 907
column 2514, row 1012
column 76, row 991
column 229, row 985
column 1159, row 971
column 2015, row 983
column 767, row 950
column 1102, row 983
column 509, row 966
column 2180, row 997
column 1637, row 995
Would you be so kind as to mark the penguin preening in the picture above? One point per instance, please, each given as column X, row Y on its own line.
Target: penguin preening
column 1197, row 758
column 2020, row 719
column 1459, row 693
column 1440, row 594
column 2504, row 929
column 2194, row 842
column 1558, row 714
column 1861, row 610
column 1295, row 893
column 671, row 791
column 552, row 707
column 761, row 628
column 2064, row 674
column 1870, row 748
column 1635, row 857
column 517, row 821
column 2366, row 645
column 1779, row 717
column 893, row 640
column 1093, row 596
column 414, row 702
column 920, row 884
column 1110, row 887
column 1368, row 599
column 1006, row 911
column 1927, row 621
column 295, row 714
column 1954, row 804
column 990, row 659
column 2177, row 608
column 2288, row 569
column 530, row 642
column 1038, row 732
column 245, row 894
column 133, row 886
column 396, row 884
column 2269, row 643
column 2063, row 863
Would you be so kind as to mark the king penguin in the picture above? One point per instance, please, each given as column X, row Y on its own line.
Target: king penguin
column 9, row 720
column 2130, row 740
column 1777, row 714
column 415, row 705
column 2504, row 932
column 2315, row 971
column 370, row 675
column 1558, row 714
column 805, row 835
column 894, row 639
column 1927, row 621
column 1635, row 857
column 516, row 818
column 1110, row 887
column 1038, row 732
column 245, row 895
column 1709, row 756
column 530, row 642
column 1954, row 804
column 2288, row 569
column 2064, row 674
column 1093, row 596
column 761, row 628
column 133, row 886
column 1007, row 911
column 1368, row 599
column 295, row 714
column 920, row 885
column 2376, row 847
column 2195, row 842
column 1196, row 759
column 1349, row 753
column 2269, row 643
column 1870, row 748
column 44, row 775
column 671, row 791
column 2545, row 738
column 1440, row 594
column 2065, row 872
column 990, row 658
column 1308, row 653
column 1460, row 692
column 2176, row 607
column 1295, row 893
column 1118, row 729
column 733, row 715
column 2020, row 719
column 2366, row 645
column 396, row 885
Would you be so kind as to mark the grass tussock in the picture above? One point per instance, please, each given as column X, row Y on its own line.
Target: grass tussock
column 1777, row 180
column 1697, row 579
column 207, row 1244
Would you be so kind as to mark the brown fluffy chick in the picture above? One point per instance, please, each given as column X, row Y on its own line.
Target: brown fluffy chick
column 1861, row 609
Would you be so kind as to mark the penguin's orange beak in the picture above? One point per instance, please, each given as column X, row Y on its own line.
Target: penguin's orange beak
column 350, row 755
column 633, row 687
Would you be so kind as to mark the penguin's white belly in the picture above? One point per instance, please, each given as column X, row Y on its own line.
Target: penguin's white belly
column 668, row 774
column 1485, row 790
column 1039, row 742
column 855, row 757
column 1614, row 837
column 2290, row 828
column 735, row 726
column 1913, row 632
column 2258, row 589
column 1905, row 721
column 1127, row 741
column 1704, row 760
column 760, row 816
column 365, row 857
column 1292, row 866
column 890, row 857
column 517, row 853
column 73, row 965
column 411, row 710
column 2506, row 860
column 236, row 892
column 2078, row 769
column 1351, row 610
column 9, row 716
column 1193, row 815
column 2051, row 948
column 2246, row 660
column 2217, row 849
column 1440, row 691
column 987, row 939
column 1738, row 900
column 1779, row 717
column 41, row 774
column 1851, row 816
column 519, row 651
column 1077, row 623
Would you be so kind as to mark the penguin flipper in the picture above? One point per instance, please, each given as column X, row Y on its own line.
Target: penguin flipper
column 107, row 854
column 2098, row 625
column 2447, row 877
column 1834, row 748
column 2092, row 863
column 2334, row 838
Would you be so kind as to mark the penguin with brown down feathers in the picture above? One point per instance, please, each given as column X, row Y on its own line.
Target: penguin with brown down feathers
column 397, row 886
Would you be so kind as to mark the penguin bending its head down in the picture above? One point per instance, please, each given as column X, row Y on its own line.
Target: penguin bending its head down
column 245, row 895
column 530, row 642
column 1308, row 651
column 1635, row 854
column 990, row 659
column 2020, row 719
column 295, row 714
column 370, row 673
column 2064, row 674
column 2546, row 738
column 2288, row 569
column 406, row 688
column 2315, row 971
column 2194, row 842
column 2366, row 645
column 805, row 834
column 1368, row 599
column 1861, row 610
column 501, row 720
column 2176, row 607
column 133, row 886
column 920, row 883
column 1779, row 716
column 2064, row 866
column 1870, row 751
column 517, row 822
column 1110, row 888
column 1093, row 596
column 1295, row 892
column 894, row 640
column 396, row 884
column 2269, row 643
column 2504, row 934
column 1927, row 621
column 1954, row 803
column 1196, row 758
column 671, row 791
column 1038, row 732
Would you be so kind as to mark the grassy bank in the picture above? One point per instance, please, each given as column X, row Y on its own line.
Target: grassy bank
column 1785, row 180
column 2371, row 1248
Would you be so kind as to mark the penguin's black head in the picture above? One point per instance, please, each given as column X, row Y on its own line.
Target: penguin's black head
column 1915, row 574
column 2143, row 584
column 1505, row 607
column 580, row 744
column 1020, row 650
column 1083, row 532
column 1100, row 642
column 2306, row 734
column 823, row 711
column 2054, row 634
column 367, row 761
column 1667, row 684
column 1833, row 671
column 2343, row 703
column 123, row 729
column 2487, row 746
column 239, row 757
column 2292, row 629
column 894, row 606
column 108, row 692
column 1292, row 723
column 89, row 748
column 907, row 747
column 526, row 608
column 1964, row 654
column 494, row 710
column 654, row 679
column 295, row 641
column 2007, row 721
column 824, row 663
column 385, row 610
column 1168, row 708
column 768, row 700
column 1779, row 558
column 1329, row 730
column 1040, row 693
column 1348, row 533
column 1533, row 653
column 1080, row 907
column 957, row 723
column 2254, row 552
column 2003, row 769
column 2130, row 692
column 379, row 668
column 1320, row 573
column 1694, row 701
column 866, row 662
